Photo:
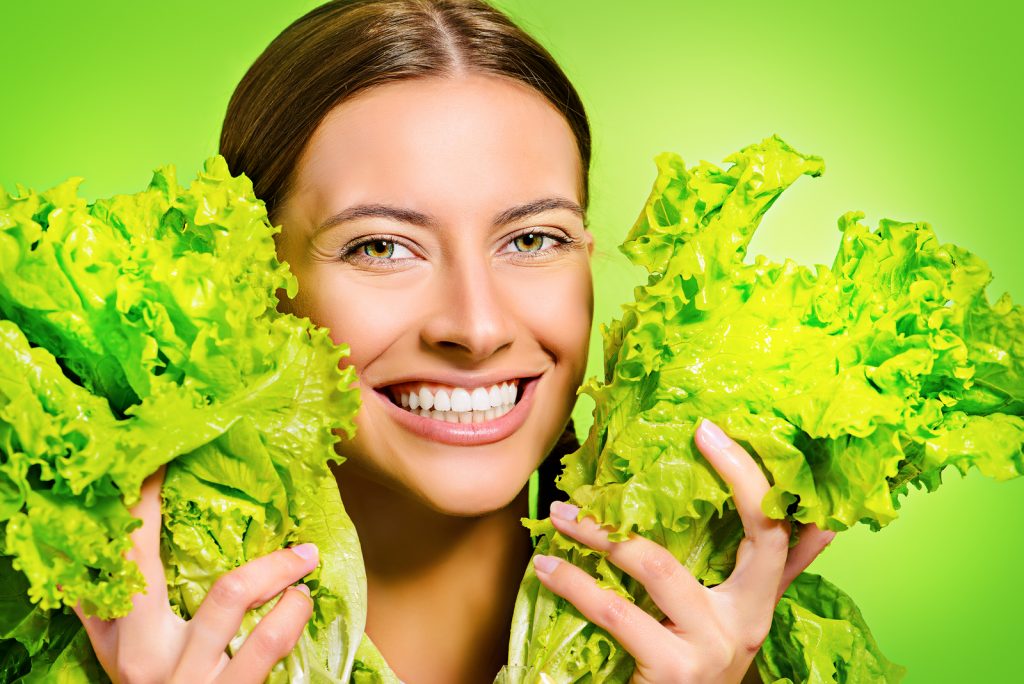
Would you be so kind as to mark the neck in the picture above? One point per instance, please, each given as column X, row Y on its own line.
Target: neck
column 441, row 588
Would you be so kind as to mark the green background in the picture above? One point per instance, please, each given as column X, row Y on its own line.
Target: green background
column 915, row 107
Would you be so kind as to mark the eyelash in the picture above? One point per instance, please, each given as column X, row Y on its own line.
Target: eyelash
column 352, row 253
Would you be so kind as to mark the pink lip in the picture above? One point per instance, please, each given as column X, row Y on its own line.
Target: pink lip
column 460, row 434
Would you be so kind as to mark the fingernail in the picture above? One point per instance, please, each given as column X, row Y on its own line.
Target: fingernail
column 564, row 511
column 306, row 551
column 713, row 435
column 545, row 564
column 303, row 588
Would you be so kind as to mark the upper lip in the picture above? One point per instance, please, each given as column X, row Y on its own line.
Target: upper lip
column 464, row 380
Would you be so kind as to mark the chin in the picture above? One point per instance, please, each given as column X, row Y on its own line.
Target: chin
column 472, row 492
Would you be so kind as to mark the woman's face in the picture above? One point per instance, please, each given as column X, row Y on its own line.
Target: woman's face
column 435, row 227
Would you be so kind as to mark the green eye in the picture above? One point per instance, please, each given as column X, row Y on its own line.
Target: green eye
column 380, row 249
column 529, row 242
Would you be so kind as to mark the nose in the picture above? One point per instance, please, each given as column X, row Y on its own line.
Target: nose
column 472, row 316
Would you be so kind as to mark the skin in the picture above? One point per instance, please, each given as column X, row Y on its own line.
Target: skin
column 455, row 297
column 439, row 524
column 455, row 292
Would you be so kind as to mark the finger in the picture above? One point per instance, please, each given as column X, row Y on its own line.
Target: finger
column 762, row 552
column 145, row 550
column 638, row 632
column 273, row 638
column 219, row 615
column 670, row 585
column 101, row 635
column 812, row 542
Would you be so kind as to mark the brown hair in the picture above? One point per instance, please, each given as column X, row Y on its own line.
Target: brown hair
column 347, row 46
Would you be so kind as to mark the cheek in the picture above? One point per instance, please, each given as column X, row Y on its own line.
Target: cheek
column 557, row 307
column 365, row 314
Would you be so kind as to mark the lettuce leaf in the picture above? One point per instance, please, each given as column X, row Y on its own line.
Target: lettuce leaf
column 142, row 330
column 847, row 384
column 370, row 667
column 820, row 636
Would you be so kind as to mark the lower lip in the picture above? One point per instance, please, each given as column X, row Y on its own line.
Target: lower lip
column 464, row 434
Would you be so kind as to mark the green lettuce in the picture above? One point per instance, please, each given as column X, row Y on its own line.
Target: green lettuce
column 847, row 384
column 819, row 635
column 370, row 666
column 138, row 331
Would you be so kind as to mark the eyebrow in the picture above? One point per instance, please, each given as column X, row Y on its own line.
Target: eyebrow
column 423, row 220
column 538, row 207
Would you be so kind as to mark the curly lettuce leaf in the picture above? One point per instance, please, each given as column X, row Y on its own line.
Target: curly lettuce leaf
column 821, row 636
column 142, row 330
column 847, row 384
column 26, row 630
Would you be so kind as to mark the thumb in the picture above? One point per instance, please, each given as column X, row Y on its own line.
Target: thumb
column 812, row 541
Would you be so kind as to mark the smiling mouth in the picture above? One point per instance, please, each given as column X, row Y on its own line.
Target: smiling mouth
column 465, row 405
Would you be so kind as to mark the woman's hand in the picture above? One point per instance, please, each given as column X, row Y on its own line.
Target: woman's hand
column 708, row 635
column 153, row 644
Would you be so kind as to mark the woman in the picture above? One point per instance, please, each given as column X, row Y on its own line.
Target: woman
column 428, row 163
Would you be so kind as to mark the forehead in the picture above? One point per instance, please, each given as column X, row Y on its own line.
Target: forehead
column 459, row 145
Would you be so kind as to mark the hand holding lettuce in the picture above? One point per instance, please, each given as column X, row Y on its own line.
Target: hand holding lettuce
column 138, row 331
column 848, row 384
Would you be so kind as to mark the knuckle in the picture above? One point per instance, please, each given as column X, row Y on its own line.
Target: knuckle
column 230, row 590
column 613, row 613
column 130, row 671
column 754, row 637
column 273, row 639
column 659, row 564
column 679, row 670
column 774, row 540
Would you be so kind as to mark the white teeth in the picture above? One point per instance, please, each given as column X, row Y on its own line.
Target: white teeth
column 481, row 402
column 426, row 398
column 441, row 401
column 461, row 401
column 464, row 417
column 459, row 405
